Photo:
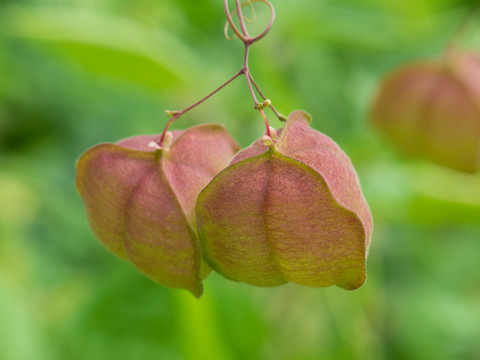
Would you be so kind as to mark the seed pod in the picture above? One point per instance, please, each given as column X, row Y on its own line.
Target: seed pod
column 285, row 210
column 431, row 109
column 140, row 200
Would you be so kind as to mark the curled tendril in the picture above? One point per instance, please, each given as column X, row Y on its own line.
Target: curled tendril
column 249, row 19
column 227, row 26
column 242, row 34
column 225, row 30
column 252, row 10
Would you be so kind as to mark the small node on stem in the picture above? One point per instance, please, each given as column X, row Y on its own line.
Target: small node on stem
column 172, row 113
column 267, row 140
column 168, row 139
column 154, row 145
column 266, row 103
column 270, row 137
column 273, row 133
column 165, row 142
column 262, row 105
column 241, row 33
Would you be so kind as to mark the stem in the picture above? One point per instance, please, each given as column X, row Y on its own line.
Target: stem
column 231, row 23
column 461, row 27
column 247, row 41
column 243, row 35
column 267, row 126
column 248, row 76
column 277, row 114
column 165, row 129
column 240, row 19
column 270, row 23
column 252, row 92
column 246, row 71
column 177, row 114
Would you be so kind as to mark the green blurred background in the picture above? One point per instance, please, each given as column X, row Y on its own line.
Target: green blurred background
column 74, row 73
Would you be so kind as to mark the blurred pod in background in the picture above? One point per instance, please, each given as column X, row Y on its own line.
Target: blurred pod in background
column 432, row 109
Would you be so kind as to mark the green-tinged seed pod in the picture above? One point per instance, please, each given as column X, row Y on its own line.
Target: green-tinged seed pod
column 287, row 210
column 140, row 199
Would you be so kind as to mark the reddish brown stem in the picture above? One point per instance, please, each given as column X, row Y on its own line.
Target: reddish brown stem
column 246, row 71
column 277, row 114
column 247, row 41
column 240, row 19
column 461, row 27
column 267, row 126
column 177, row 114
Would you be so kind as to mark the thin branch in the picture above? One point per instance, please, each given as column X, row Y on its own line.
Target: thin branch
column 241, row 19
column 252, row 92
column 246, row 71
column 267, row 126
column 463, row 24
column 280, row 117
column 270, row 23
column 232, row 24
column 247, row 41
column 243, row 34
column 176, row 114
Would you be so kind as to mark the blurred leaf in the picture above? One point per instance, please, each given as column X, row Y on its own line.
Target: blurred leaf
column 444, row 196
column 199, row 328
column 105, row 43
column 434, row 211
column 423, row 192
column 19, row 333
column 371, row 28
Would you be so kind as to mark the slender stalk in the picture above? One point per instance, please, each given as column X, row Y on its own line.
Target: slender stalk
column 176, row 114
column 241, row 20
column 277, row 114
column 243, row 35
column 270, row 23
column 231, row 23
column 246, row 71
column 252, row 92
column 267, row 126
column 461, row 27
column 211, row 94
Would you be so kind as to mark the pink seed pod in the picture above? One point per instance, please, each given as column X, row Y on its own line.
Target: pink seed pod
column 140, row 199
column 431, row 109
column 289, row 209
